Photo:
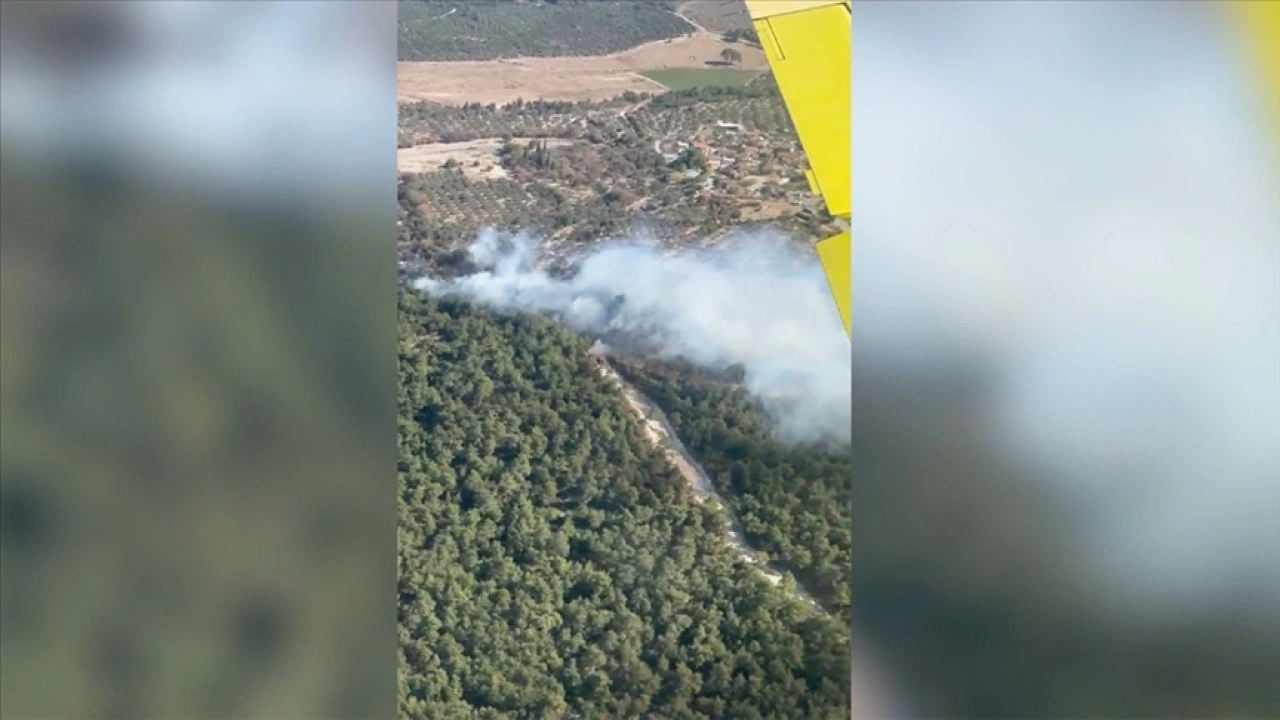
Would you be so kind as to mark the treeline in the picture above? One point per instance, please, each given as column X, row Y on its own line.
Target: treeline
column 552, row 563
column 793, row 501
column 761, row 87
column 741, row 34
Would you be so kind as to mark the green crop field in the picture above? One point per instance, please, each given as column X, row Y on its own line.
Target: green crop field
column 685, row 78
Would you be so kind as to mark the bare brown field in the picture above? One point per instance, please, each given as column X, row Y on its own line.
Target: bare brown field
column 767, row 210
column 567, row 78
column 478, row 159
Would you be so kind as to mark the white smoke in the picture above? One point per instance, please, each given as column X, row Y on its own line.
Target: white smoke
column 754, row 300
column 1082, row 195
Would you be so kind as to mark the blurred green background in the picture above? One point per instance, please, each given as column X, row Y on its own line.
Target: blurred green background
column 197, row 495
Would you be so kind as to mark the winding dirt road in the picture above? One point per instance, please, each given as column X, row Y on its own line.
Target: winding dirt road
column 664, row 437
column 872, row 695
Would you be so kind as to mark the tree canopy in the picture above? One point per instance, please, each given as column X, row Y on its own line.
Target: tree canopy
column 552, row 562
column 793, row 501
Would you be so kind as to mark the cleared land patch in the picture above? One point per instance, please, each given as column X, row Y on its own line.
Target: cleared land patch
column 565, row 78
column 685, row 78
column 478, row 159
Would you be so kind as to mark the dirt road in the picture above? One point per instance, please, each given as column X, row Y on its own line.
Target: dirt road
column 663, row 436
column 871, row 692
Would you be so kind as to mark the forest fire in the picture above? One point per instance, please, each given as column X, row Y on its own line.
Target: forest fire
column 599, row 353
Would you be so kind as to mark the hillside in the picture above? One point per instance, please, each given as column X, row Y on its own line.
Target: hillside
column 717, row 16
column 552, row 563
column 793, row 501
column 452, row 30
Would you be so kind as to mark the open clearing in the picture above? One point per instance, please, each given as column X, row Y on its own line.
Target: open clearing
column 566, row 78
column 685, row 78
column 478, row 159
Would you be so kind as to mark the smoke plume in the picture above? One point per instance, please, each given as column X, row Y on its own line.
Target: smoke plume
column 754, row 300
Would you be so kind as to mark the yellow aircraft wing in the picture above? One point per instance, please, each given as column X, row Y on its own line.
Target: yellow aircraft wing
column 809, row 44
column 1261, row 21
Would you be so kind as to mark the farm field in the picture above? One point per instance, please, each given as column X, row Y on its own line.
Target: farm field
column 686, row 78
column 565, row 78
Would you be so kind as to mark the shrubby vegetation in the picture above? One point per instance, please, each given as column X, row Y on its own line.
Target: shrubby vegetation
column 552, row 563
column 494, row 29
column 793, row 501
column 756, row 105
column 601, row 171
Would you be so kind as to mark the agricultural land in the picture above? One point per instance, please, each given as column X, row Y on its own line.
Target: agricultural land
column 600, row 50
column 694, row 164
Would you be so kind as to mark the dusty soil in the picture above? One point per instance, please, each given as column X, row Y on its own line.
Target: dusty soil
column 769, row 209
column 478, row 158
column 568, row 78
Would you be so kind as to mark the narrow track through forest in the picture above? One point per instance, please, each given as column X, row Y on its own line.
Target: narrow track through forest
column 660, row 432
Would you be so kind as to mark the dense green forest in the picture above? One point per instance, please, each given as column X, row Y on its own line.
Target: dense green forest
column 553, row 564
column 793, row 501
column 493, row 29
